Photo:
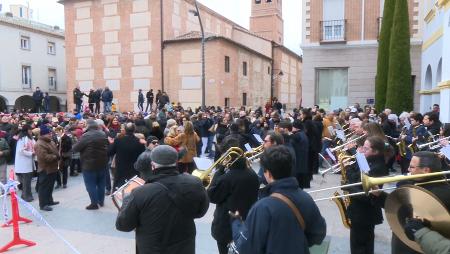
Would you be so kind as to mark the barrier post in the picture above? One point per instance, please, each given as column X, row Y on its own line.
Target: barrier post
column 17, row 240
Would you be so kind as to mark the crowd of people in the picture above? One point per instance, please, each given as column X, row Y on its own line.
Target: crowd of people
column 159, row 144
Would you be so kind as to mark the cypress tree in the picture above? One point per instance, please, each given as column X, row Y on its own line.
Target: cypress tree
column 383, row 55
column 399, row 95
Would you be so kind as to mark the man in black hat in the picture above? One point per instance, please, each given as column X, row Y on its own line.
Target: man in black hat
column 163, row 210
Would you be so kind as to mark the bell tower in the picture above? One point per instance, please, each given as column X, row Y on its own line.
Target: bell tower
column 267, row 19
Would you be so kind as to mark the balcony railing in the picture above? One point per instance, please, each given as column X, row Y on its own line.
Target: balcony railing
column 333, row 31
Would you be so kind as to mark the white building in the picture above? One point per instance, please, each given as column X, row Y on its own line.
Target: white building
column 31, row 55
column 435, row 87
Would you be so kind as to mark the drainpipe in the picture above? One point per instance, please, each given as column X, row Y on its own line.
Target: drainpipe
column 161, row 13
column 363, row 19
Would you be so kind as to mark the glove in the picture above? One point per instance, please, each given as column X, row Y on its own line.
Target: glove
column 412, row 226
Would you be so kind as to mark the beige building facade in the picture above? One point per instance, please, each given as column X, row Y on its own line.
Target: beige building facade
column 153, row 44
column 340, row 47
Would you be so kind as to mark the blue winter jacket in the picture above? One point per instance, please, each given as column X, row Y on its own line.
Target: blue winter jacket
column 271, row 226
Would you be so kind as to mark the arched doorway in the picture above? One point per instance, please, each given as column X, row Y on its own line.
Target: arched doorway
column 428, row 78
column 24, row 103
column 3, row 104
column 54, row 104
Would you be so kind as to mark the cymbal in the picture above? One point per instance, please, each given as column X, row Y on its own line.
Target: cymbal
column 415, row 202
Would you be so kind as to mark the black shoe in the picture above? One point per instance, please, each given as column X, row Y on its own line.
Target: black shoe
column 101, row 204
column 92, row 207
column 46, row 208
column 28, row 199
column 107, row 193
column 64, row 186
column 58, row 186
column 54, row 203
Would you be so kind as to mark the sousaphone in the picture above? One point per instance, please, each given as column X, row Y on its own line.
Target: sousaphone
column 411, row 201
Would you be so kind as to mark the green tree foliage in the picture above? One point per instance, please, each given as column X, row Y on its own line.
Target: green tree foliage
column 399, row 95
column 383, row 55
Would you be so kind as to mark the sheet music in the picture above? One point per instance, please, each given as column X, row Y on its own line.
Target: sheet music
column 362, row 163
column 248, row 147
column 330, row 154
column 258, row 138
column 446, row 151
column 341, row 135
column 202, row 163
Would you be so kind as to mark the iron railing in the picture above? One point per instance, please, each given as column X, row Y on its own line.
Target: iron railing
column 333, row 30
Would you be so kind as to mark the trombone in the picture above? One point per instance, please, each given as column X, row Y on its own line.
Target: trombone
column 368, row 182
column 253, row 155
column 336, row 168
column 226, row 160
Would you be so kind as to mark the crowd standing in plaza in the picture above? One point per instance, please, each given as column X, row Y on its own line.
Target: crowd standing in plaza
column 159, row 145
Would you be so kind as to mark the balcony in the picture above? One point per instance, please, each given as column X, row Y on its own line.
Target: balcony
column 333, row 31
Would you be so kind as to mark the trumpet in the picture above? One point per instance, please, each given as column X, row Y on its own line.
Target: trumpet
column 432, row 144
column 226, row 160
column 341, row 147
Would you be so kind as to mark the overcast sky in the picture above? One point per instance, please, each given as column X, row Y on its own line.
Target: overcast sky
column 52, row 13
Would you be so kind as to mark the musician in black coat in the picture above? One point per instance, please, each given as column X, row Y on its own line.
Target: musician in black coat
column 162, row 212
column 233, row 189
column 300, row 143
column 127, row 149
column 363, row 211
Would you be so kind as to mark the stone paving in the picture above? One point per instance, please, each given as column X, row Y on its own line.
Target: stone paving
column 93, row 232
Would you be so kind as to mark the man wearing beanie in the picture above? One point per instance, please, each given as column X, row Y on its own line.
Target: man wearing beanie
column 163, row 210
column 93, row 148
column 47, row 156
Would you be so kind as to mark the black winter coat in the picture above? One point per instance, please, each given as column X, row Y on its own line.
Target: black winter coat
column 364, row 210
column 127, row 149
column 163, row 211
column 234, row 190
column 93, row 148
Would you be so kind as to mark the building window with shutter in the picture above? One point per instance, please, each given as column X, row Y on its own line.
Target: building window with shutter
column 51, row 48
column 52, row 79
column 244, row 68
column 244, row 99
column 227, row 64
column 25, row 42
column 26, row 76
column 227, row 102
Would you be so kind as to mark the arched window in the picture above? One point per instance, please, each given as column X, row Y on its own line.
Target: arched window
column 439, row 73
column 428, row 78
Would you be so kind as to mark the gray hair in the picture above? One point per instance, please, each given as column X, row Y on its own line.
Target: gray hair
column 91, row 124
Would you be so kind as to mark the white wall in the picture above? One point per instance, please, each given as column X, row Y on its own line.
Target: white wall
column 12, row 57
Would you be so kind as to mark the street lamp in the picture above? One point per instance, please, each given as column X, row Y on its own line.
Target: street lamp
column 197, row 13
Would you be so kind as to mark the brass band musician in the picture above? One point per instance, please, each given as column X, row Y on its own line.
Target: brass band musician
column 421, row 163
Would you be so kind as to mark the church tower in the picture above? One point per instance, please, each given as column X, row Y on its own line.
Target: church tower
column 267, row 19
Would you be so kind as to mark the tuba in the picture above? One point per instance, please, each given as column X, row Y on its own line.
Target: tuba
column 226, row 160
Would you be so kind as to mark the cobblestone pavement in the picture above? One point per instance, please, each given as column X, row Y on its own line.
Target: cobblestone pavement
column 93, row 232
